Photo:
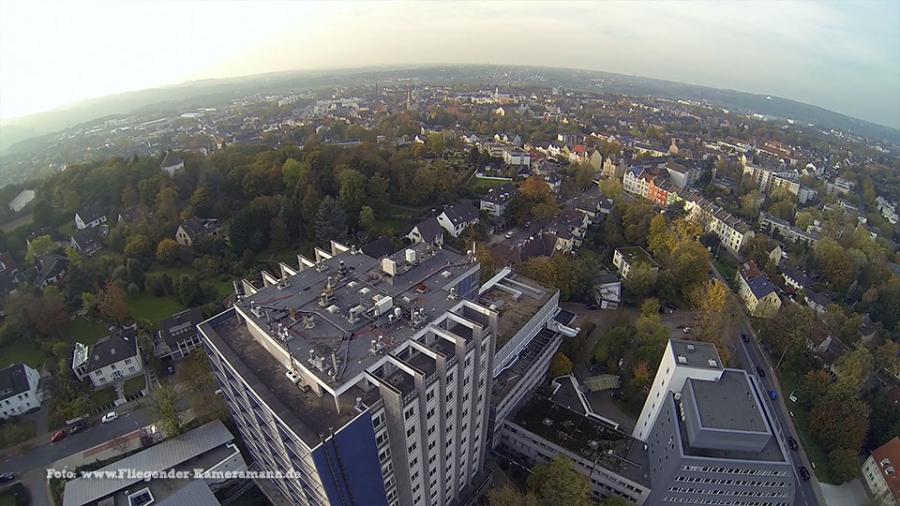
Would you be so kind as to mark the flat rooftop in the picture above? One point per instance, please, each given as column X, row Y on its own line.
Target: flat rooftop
column 771, row 452
column 308, row 415
column 588, row 438
column 696, row 354
column 517, row 299
column 512, row 375
column 332, row 313
column 728, row 404
column 633, row 254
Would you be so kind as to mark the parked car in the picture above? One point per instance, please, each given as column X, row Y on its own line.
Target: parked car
column 77, row 427
column 592, row 306
column 773, row 395
column 687, row 330
column 745, row 338
column 792, row 443
column 58, row 436
column 508, row 235
column 803, row 472
column 760, row 372
column 669, row 307
column 109, row 417
column 7, row 477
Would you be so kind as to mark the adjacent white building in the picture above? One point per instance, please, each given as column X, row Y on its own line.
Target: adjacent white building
column 19, row 392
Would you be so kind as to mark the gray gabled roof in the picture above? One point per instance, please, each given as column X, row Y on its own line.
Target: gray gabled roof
column 462, row 212
column 161, row 457
column 13, row 381
column 109, row 350
column 170, row 160
column 430, row 229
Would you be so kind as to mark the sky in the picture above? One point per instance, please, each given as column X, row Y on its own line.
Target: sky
column 844, row 56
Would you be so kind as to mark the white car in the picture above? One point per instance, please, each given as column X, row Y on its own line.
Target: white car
column 109, row 417
column 687, row 330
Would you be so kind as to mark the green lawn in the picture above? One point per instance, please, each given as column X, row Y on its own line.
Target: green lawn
column 149, row 310
column 85, row 331
column 173, row 272
column 29, row 353
column 816, row 454
column 224, row 287
column 135, row 385
column 104, row 397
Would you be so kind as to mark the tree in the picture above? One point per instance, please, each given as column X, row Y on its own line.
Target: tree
column 113, row 303
column 887, row 357
column 718, row 316
column 294, row 173
column 854, row 368
column 844, row 464
column 139, row 246
column 367, row 218
column 167, row 251
column 353, row 191
column 163, row 404
column 661, row 240
column 689, row 265
column 188, row 290
column 378, row 194
column 38, row 247
column 509, row 496
column 167, row 205
column 640, row 281
column 841, row 421
column 561, row 365
column 200, row 385
column 279, row 238
column 835, row 264
column 331, row 222
column 813, row 388
column 250, row 229
column 200, row 203
column 557, row 483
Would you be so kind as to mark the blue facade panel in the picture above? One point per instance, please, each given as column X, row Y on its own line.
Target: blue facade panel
column 348, row 465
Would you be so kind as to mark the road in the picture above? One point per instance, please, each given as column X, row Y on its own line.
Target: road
column 31, row 465
column 749, row 357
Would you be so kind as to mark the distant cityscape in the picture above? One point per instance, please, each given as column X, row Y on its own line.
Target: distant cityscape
column 400, row 292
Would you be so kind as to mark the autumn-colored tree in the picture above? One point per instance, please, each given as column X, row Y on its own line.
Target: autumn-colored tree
column 854, row 368
column 835, row 264
column 641, row 375
column 560, row 365
column 167, row 251
column 535, row 189
column 367, row 218
column 813, row 388
column 717, row 316
column 841, row 421
column 507, row 495
column 113, row 303
column 641, row 280
column 557, row 483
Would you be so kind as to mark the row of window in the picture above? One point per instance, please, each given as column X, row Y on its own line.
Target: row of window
column 739, row 493
column 720, row 502
column 733, row 470
column 739, row 483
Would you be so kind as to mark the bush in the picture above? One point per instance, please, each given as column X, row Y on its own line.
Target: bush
column 133, row 288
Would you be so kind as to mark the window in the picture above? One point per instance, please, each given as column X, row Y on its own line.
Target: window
column 410, row 431
column 409, row 413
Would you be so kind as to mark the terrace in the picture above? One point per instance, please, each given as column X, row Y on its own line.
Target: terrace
column 587, row 438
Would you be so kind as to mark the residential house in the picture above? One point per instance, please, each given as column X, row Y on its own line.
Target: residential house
column 195, row 229
column 516, row 157
column 879, row 473
column 133, row 215
column 783, row 229
column 427, row 231
column 90, row 217
column 458, row 217
column 87, row 241
column 22, row 199
column 608, row 290
column 733, row 233
column 10, row 277
column 109, row 360
column 496, row 200
column 626, row 258
column 756, row 291
column 553, row 180
column 50, row 270
column 177, row 335
column 19, row 392
column 171, row 163
column 592, row 203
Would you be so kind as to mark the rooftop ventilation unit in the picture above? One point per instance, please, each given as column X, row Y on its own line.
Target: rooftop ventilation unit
column 713, row 363
column 690, row 347
column 681, row 359
column 410, row 256
column 389, row 267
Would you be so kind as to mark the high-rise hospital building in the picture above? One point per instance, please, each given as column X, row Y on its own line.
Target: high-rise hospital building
column 369, row 380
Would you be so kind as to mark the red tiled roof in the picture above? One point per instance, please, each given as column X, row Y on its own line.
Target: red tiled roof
column 887, row 457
